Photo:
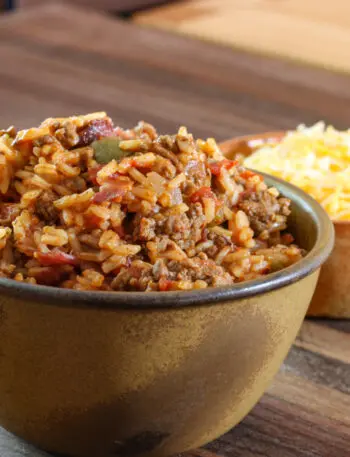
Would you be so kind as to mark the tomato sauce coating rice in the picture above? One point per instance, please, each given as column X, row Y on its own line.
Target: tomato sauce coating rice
column 90, row 206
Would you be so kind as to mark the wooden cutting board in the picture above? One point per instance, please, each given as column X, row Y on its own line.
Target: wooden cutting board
column 306, row 30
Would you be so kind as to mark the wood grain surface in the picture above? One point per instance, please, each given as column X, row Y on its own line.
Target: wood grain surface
column 59, row 61
column 311, row 31
column 104, row 5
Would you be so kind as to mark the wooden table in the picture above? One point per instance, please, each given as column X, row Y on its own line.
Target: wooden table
column 102, row 5
column 310, row 31
column 59, row 61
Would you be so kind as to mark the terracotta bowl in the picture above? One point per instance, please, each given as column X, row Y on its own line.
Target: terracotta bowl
column 332, row 295
column 86, row 374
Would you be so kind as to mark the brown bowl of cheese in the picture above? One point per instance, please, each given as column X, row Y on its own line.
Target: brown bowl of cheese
column 316, row 159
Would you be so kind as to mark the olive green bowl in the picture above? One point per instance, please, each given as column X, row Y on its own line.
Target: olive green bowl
column 87, row 374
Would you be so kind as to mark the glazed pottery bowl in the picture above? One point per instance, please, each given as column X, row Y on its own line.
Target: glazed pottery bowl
column 86, row 374
column 332, row 295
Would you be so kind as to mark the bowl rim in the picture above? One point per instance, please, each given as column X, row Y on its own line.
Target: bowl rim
column 197, row 297
column 265, row 137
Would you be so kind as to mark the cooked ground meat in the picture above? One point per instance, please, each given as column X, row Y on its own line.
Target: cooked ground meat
column 144, row 228
column 67, row 135
column 167, row 154
column 262, row 209
column 198, row 269
column 87, row 206
column 45, row 209
column 197, row 174
column 219, row 243
column 185, row 230
column 168, row 142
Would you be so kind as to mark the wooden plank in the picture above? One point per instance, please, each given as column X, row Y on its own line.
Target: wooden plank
column 106, row 5
column 342, row 325
column 316, row 398
column 303, row 31
column 275, row 428
column 168, row 80
column 318, row 369
column 296, row 417
column 325, row 341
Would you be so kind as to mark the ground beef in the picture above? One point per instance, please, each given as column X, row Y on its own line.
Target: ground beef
column 197, row 174
column 45, row 209
column 168, row 142
column 67, row 135
column 135, row 277
column 219, row 243
column 46, row 139
column 262, row 208
column 139, row 277
column 184, row 229
column 177, row 227
column 75, row 185
column 143, row 228
column 284, row 206
column 199, row 269
column 167, row 154
column 198, row 220
column 165, row 168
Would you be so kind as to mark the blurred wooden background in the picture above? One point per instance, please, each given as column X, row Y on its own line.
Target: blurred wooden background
column 107, row 5
column 311, row 31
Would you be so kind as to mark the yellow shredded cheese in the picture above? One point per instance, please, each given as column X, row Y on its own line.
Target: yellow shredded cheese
column 316, row 159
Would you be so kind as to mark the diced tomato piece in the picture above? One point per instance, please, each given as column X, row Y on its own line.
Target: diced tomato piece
column 108, row 194
column 144, row 169
column 287, row 239
column 203, row 192
column 92, row 174
column 216, row 167
column 92, row 221
column 113, row 190
column 246, row 174
column 55, row 257
column 165, row 284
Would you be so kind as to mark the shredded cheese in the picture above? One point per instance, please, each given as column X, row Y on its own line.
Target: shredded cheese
column 316, row 159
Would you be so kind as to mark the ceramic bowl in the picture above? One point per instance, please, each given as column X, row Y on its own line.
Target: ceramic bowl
column 332, row 295
column 86, row 374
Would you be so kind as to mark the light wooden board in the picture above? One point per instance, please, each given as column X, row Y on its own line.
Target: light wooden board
column 306, row 30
